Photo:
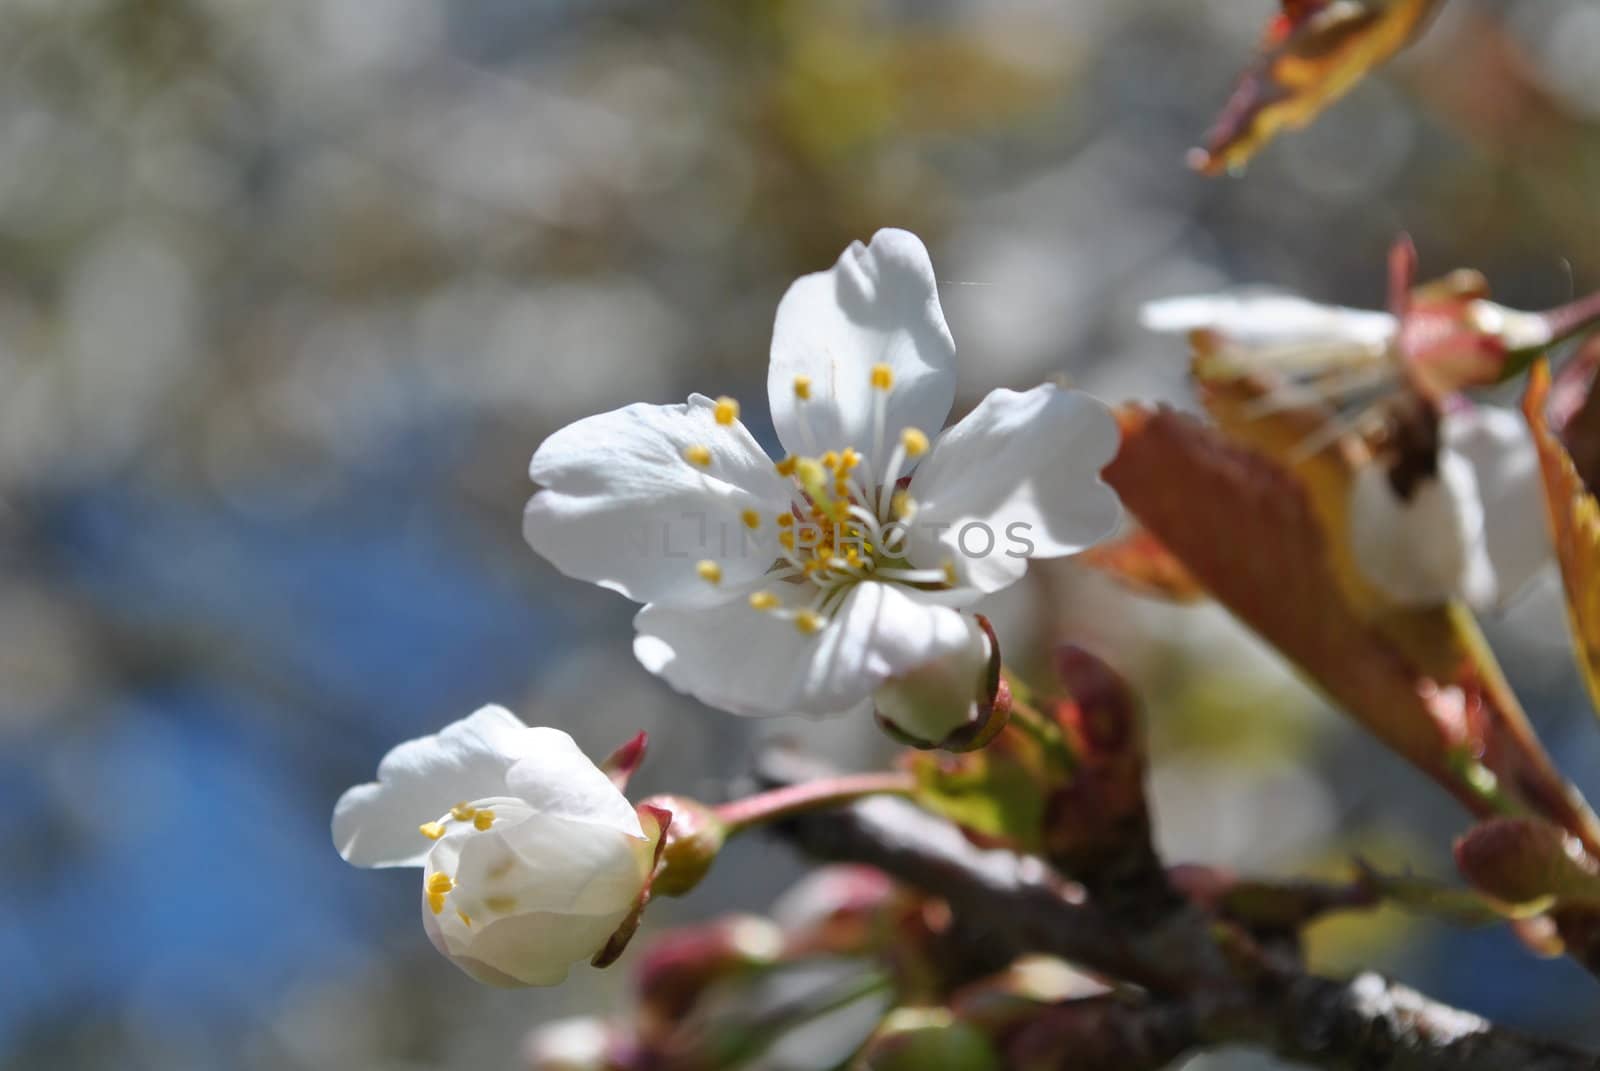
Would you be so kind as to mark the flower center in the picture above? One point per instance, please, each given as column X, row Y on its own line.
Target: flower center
column 848, row 521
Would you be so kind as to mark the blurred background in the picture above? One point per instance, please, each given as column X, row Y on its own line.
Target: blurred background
column 289, row 293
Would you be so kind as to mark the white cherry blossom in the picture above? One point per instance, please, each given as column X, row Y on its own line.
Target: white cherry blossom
column 1471, row 529
column 808, row 584
column 531, row 857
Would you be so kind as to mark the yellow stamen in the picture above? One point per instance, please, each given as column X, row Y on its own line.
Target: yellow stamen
column 440, row 882
column 786, row 467
column 786, row 539
column 697, row 455
column 807, row 621
column 850, row 458
column 882, row 377
column 466, row 918
column 763, row 600
column 785, row 520
column 901, row 504
column 810, row 474
column 751, row 519
column 436, row 902
column 915, row 442
column 483, row 819
column 709, row 571
column 802, row 388
column 727, row 411
column 950, row 573
column 463, row 812
column 830, row 460
column 431, row 830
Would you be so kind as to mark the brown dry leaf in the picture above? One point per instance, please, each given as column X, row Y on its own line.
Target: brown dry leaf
column 1138, row 561
column 1255, row 534
column 1574, row 517
column 1314, row 53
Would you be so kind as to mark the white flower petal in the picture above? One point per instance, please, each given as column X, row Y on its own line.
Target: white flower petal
column 878, row 304
column 1018, row 478
column 531, row 894
column 534, row 949
column 560, row 781
column 749, row 662
column 1266, row 318
column 376, row 824
column 1499, row 446
column 623, row 507
column 1429, row 548
column 934, row 700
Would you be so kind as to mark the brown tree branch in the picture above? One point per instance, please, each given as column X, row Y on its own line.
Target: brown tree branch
column 1022, row 906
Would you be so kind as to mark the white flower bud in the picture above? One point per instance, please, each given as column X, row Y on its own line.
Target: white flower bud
column 939, row 698
column 531, row 857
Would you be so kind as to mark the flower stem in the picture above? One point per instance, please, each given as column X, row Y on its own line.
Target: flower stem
column 738, row 815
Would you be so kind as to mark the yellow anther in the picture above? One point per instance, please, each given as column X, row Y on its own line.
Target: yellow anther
column 950, row 573
column 431, row 830
column 882, row 377
column 727, row 411
column 501, row 905
column 785, row 520
column 436, row 902
column 465, row 918
column 709, row 571
column 809, row 473
column 807, row 621
column 751, row 519
column 697, row 455
column 915, row 442
column 440, row 882
column 463, row 812
column 763, row 600
column 850, row 458
column 483, row 819
column 901, row 504
column 830, row 460
column 802, row 388
column 786, row 467
column 786, row 539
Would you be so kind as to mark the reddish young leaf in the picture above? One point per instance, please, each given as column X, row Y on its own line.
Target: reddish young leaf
column 1256, row 534
column 1574, row 516
column 1314, row 53
column 1138, row 561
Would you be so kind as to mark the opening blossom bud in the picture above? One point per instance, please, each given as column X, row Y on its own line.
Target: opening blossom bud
column 957, row 703
column 531, row 858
